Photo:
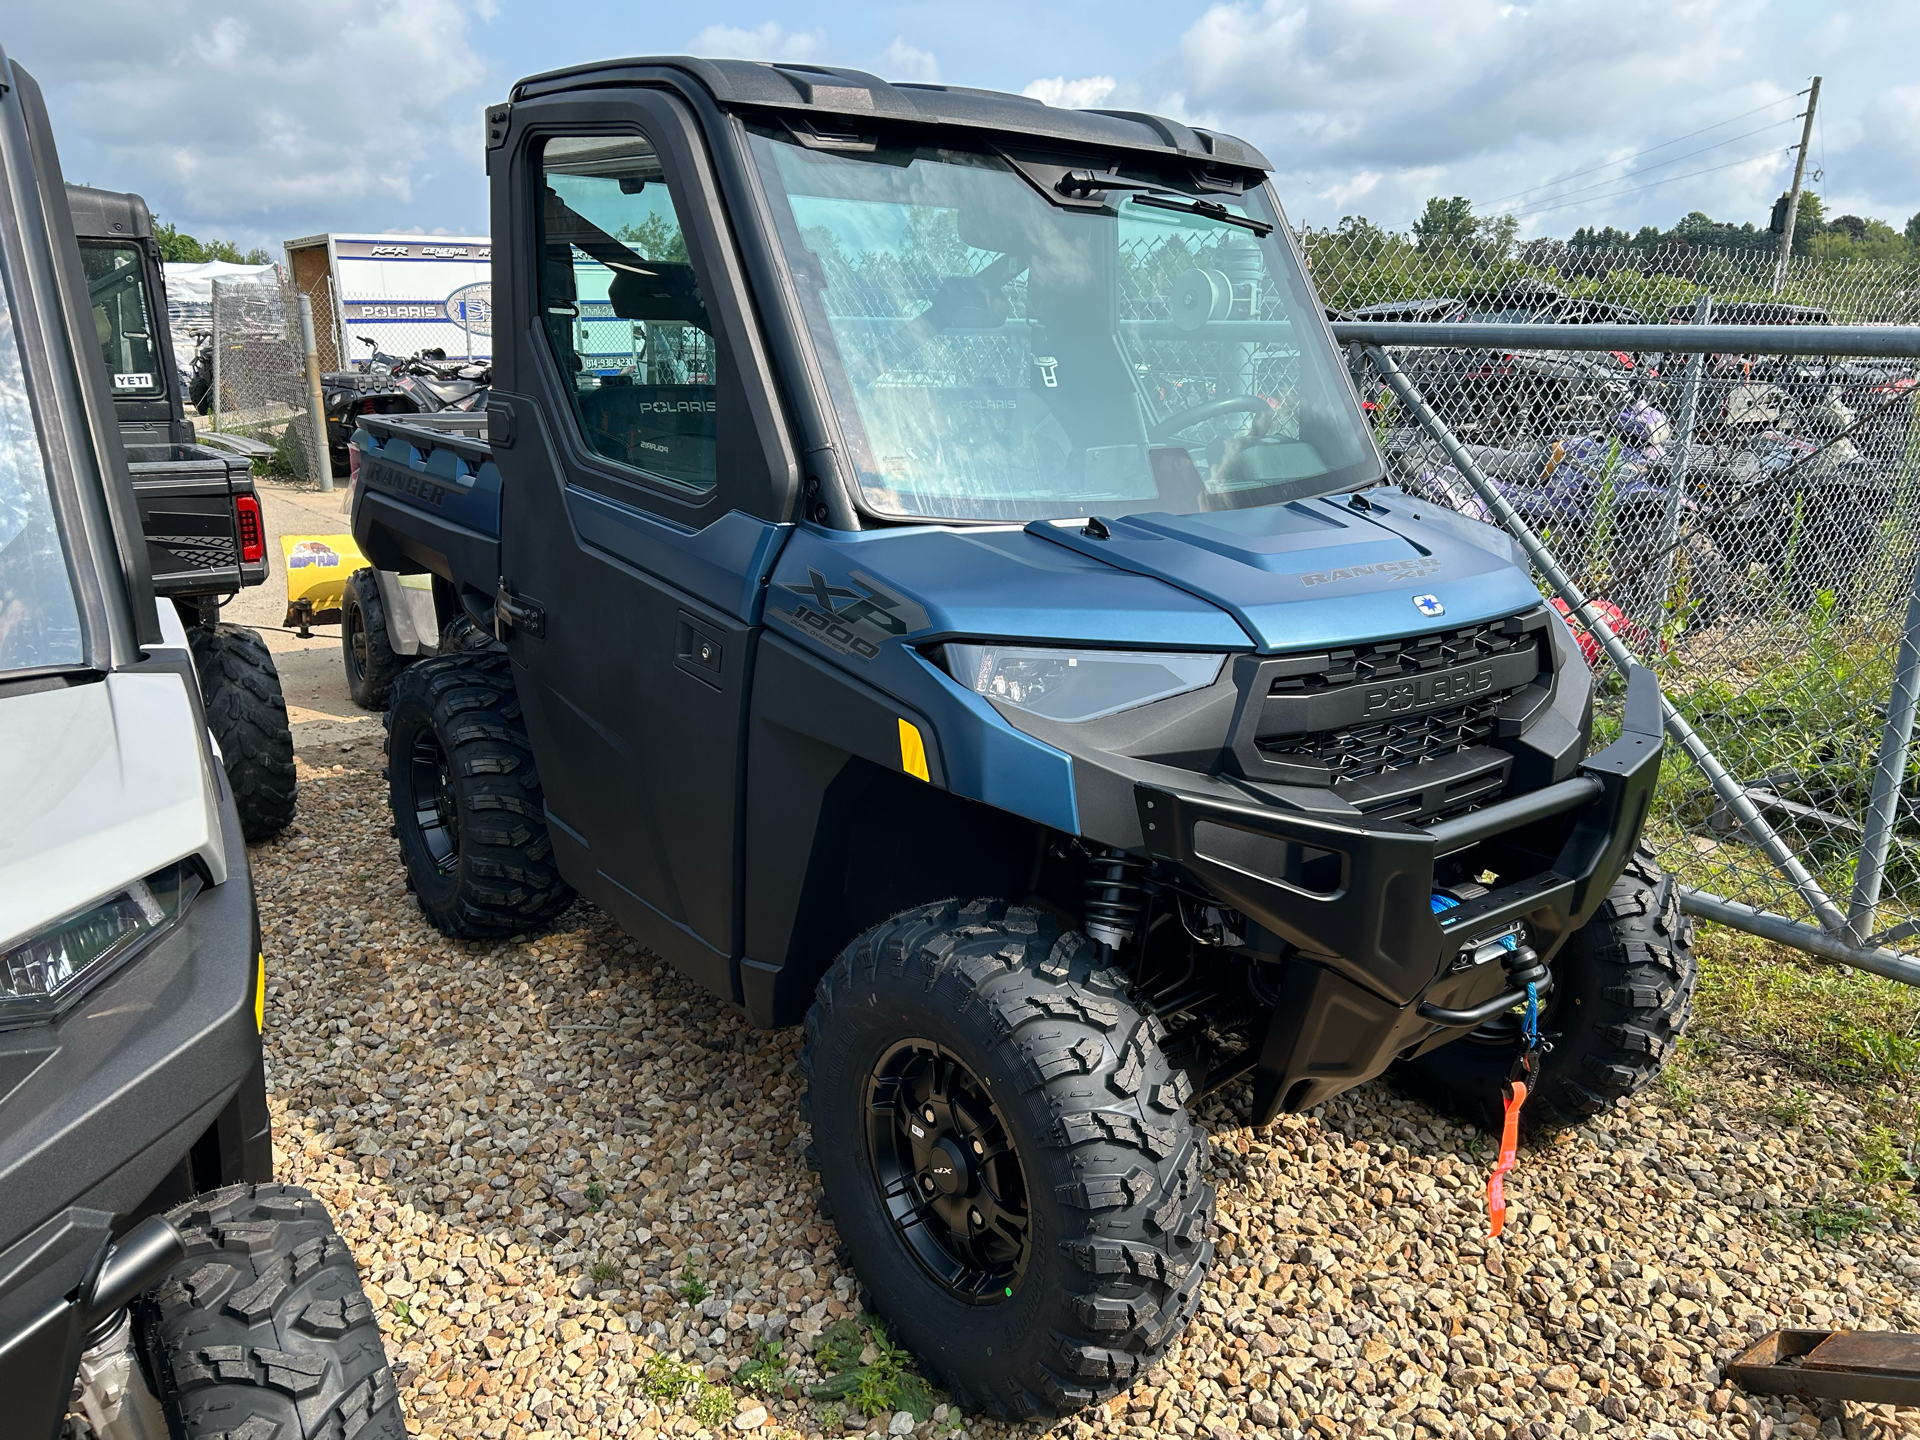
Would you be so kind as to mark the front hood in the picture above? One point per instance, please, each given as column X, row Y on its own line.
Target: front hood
column 105, row 783
column 1320, row 572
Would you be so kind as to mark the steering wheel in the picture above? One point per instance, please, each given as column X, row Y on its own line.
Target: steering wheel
column 1208, row 410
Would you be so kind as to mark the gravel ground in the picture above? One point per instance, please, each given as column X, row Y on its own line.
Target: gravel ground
column 535, row 1146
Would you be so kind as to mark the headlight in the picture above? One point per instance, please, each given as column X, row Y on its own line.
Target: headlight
column 46, row 972
column 1072, row 685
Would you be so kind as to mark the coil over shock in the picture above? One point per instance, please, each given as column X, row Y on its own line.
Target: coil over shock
column 1116, row 898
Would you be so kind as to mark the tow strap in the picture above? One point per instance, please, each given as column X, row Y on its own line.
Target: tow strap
column 1513, row 1096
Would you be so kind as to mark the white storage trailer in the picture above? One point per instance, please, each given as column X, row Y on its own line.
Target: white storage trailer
column 403, row 292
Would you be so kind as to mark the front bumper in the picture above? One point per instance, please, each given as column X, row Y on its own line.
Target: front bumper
column 100, row 1109
column 1354, row 901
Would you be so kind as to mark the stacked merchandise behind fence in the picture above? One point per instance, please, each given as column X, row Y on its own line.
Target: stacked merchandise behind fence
column 260, row 386
column 1746, row 523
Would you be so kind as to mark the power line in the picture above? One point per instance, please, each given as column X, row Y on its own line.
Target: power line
column 1650, row 185
column 1608, row 164
column 1649, row 169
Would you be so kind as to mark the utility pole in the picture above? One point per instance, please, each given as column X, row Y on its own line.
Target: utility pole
column 1793, row 195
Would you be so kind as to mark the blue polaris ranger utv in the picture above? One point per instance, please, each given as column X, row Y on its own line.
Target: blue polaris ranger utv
column 927, row 576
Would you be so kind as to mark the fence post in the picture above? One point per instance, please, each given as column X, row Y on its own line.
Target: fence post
column 1677, row 488
column 213, row 324
column 1724, row 785
column 1889, row 773
column 316, row 403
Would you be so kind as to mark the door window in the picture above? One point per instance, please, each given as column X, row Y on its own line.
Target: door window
column 624, row 314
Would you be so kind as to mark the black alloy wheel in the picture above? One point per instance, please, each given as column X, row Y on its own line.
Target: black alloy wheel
column 953, row 1182
column 465, row 797
column 436, row 810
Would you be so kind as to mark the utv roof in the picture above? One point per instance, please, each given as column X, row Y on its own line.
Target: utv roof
column 802, row 91
column 108, row 214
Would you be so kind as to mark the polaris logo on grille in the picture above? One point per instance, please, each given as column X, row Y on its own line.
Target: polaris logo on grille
column 1429, row 605
column 1426, row 691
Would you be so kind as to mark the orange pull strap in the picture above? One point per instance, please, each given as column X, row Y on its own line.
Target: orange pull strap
column 1516, row 1096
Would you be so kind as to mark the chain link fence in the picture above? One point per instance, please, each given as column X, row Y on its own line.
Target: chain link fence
column 260, row 387
column 1746, row 523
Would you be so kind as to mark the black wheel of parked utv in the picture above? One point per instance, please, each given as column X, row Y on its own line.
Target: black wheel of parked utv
column 1007, row 1154
column 371, row 665
column 1622, row 996
column 466, row 800
column 263, row 1330
column 240, row 687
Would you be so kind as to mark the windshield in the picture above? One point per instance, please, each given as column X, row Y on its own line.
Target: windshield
column 122, row 317
column 39, row 617
column 995, row 356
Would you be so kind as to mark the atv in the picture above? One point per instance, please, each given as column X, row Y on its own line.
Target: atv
column 979, row 632
column 155, row 1282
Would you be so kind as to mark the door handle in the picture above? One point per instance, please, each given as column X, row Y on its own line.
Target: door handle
column 517, row 612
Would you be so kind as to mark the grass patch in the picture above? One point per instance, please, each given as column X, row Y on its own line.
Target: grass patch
column 765, row 1374
column 875, row 1376
column 1836, row 1222
column 1845, row 1029
column 603, row 1271
column 674, row 1382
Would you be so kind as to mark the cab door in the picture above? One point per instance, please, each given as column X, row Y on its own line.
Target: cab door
column 646, row 476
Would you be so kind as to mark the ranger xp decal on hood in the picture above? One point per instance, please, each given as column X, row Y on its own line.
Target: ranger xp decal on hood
column 1398, row 569
column 838, row 616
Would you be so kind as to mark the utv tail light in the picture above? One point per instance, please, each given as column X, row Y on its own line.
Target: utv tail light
column 253, row 534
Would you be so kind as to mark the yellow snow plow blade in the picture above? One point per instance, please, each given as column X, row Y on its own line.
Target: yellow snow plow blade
column 317, row 567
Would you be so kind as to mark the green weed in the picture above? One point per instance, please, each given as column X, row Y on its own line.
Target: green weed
column 876, row 1376
column 1884, row 1160
column 764, row 1373
column 403, row 1314
column 712, row 1405
column 603, row 1271
column 596, row 1194
column 1794, row 1108
column 693, row 1290
column 667, row 1379
column 1836, row 1222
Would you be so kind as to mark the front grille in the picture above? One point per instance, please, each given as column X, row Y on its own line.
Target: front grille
column 1356, row 752
column 1404, row 729
column 1396, row 659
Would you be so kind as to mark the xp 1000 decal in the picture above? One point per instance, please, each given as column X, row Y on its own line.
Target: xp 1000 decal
column 853, row 618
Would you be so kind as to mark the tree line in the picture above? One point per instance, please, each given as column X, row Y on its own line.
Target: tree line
column 1449, row 224
column 179, row 248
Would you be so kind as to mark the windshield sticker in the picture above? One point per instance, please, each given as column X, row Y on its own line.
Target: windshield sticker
column 852, row 621
column 141, row 380
column 1398, row 569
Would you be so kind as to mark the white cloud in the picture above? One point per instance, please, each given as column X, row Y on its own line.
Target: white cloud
column 1343, row 193
column 254, row 120
column 766, row 41
column 1485, row 98
column 1081, row 94
column 901, row 61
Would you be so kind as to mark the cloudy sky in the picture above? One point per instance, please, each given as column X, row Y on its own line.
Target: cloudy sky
column 272, row 119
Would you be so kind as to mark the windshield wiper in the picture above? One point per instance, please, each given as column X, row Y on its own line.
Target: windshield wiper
column 1082, row 183
column 1206, row 208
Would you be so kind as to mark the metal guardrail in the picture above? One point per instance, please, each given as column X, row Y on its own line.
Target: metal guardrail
column 1885, row 471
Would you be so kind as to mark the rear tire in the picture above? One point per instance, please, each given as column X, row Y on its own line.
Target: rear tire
column 1065, row 1241
column 1622, row 997
column 365, row 649
column 240, row 687
column 263, row 1330
column 465, row 794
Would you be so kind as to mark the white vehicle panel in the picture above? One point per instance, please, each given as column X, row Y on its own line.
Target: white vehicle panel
column 104, row 783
